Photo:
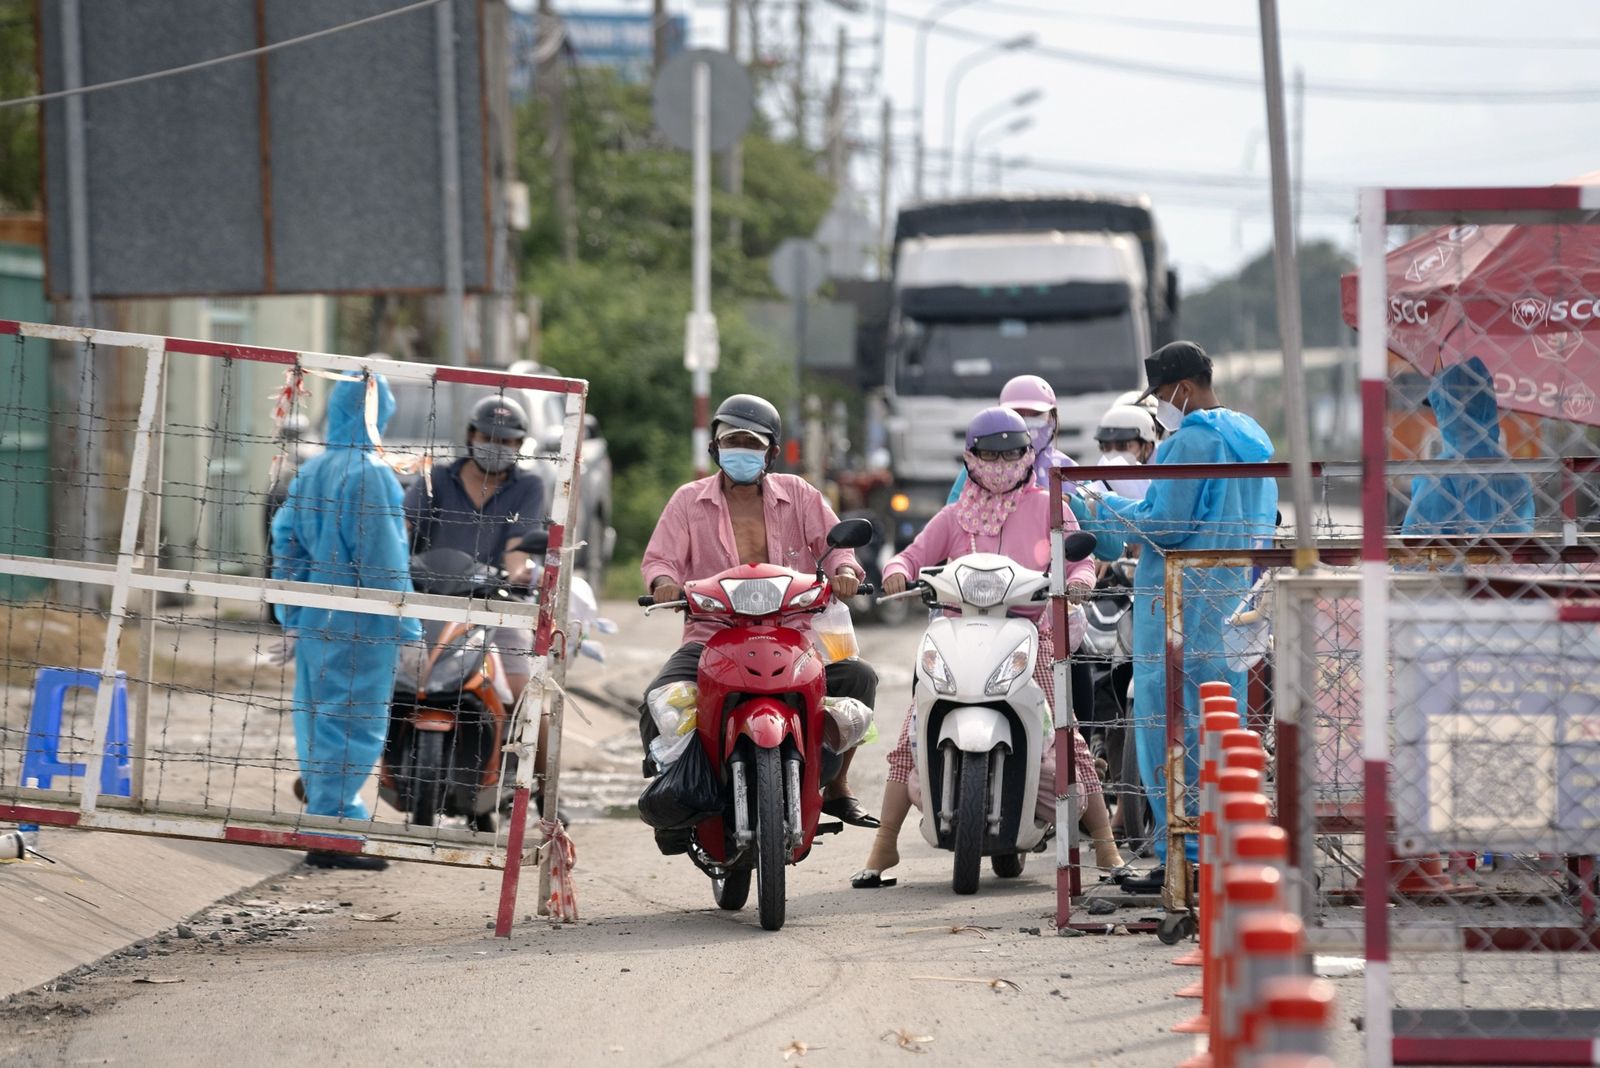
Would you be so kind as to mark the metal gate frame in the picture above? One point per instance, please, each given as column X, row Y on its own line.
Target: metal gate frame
column 138, row 570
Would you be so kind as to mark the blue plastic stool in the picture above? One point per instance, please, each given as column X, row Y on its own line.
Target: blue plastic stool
column 42, row 761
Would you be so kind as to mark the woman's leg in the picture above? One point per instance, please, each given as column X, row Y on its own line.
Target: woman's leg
column 885, row 851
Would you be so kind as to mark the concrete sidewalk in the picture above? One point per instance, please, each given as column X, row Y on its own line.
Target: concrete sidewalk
column 108, row 891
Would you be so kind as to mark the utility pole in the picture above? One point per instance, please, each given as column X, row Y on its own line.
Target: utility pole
column 837, row 157
column 658, row 36
column 733, row 165
column 885, row 173
column 802, row 17
column 1298, row 170
column 557, row 146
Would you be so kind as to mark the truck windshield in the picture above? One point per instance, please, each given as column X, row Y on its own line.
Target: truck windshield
column 975, row 359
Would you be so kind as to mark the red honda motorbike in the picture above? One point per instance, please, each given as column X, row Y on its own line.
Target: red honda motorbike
column 760, row 720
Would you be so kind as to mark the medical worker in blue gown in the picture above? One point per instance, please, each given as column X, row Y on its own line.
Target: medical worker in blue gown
column 1233, row 513
column 343, row 524
column 1462, row 398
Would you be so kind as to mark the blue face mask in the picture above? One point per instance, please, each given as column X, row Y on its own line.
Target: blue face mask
column 744, row 466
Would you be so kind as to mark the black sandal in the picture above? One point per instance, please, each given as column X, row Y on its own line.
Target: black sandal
column 849, row 809
column 868, row 879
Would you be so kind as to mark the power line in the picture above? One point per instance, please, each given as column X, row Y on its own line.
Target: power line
column 1237, row 29
column 169, row 72
column 1252, row 83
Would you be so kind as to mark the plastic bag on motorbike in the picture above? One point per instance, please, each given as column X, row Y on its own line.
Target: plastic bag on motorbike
column 833, row 634
column 848, row 724
column 684, row 795
column 673, row 707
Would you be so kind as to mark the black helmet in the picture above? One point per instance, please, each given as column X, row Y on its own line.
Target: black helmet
column 500, row 418
column 745, row 411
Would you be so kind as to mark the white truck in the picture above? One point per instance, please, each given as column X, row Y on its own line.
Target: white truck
column 1074, row 288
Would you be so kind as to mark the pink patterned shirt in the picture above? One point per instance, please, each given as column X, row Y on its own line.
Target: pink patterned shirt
column 693, row 538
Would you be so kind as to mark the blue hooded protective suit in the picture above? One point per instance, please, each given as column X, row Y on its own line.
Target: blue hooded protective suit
column 1189, row 514
column 343, row 525
column 1462, row 396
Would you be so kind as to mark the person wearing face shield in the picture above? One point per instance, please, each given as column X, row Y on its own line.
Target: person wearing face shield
column 1001, row 510
column 484, row 505
column 746, row 513
column 1223, row 513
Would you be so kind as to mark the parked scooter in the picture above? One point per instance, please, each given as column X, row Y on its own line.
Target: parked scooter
column 760, row 722
column 982, row 721
column 1108, row 651
column 451, row 709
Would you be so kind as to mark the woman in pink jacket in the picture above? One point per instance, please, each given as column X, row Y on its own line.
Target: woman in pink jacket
column 1000, row 510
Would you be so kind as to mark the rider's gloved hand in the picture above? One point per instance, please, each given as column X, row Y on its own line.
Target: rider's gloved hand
column 845, row 584
column 895, row 583
column 665, row 591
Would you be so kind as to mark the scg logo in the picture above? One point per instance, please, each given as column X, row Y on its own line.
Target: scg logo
column 1534, row 311
column 1408, row 311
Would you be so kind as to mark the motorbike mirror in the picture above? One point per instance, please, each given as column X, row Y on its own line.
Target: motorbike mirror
column 1080, row 545
column 850, row 534
column 535, row 543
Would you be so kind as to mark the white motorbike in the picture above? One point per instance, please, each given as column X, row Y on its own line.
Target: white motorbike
column 982, row 722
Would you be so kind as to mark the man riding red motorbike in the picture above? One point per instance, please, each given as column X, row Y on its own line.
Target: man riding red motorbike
column 745, row 514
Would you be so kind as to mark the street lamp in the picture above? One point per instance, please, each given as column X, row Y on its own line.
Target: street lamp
column 988, row 115
column 1015, row 126
column 920, row 144
column 962, row 69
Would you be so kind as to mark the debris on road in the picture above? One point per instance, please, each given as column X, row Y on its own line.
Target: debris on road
column 906, row 1040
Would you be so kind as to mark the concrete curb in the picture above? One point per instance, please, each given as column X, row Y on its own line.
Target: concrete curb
column 107, row 891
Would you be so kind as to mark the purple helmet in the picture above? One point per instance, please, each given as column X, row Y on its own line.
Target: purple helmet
column 1030, row 394
column 998, row 429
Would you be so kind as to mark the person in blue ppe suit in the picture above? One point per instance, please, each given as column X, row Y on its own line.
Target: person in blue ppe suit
column 1232, row 513
column 343, row 524
column 1462, row 398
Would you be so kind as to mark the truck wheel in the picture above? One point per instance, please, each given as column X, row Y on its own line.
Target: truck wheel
column 972, row 819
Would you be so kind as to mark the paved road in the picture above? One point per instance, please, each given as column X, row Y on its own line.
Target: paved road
column 305, row 966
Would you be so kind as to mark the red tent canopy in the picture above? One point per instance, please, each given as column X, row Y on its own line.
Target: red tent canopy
column 1523, row 298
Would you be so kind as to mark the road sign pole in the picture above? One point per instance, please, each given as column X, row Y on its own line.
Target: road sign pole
column 701, row 367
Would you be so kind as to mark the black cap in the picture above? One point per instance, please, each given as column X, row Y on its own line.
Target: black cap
column 1174, row 362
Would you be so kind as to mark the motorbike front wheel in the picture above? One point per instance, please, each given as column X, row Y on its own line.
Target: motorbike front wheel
column 771, row 851
column 972, row 819
column 427, row 782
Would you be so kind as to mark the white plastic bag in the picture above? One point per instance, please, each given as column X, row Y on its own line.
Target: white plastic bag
column 669, row 747
column 849, row 723
column 833, row 634
column 673, row 708
column 1246, row 638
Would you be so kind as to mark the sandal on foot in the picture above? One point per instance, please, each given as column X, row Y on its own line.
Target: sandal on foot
column 849, row 809
column 867, row 879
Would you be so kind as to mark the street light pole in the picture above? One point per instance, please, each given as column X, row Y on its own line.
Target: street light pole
column 988, row 115
column 953, row 87
column 1015, row 126
column 919, row 145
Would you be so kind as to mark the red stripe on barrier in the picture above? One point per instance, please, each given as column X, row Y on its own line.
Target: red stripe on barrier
column 1526, row 198
column 55, row 817
column 1578, row 613
column 544, row 628
column 1375, row 889
column 10, row 326
column 1374, row 487
column 322, row 843
column 1506, row 1051
column 513, row 872
column 231, row 352
column 479, row 377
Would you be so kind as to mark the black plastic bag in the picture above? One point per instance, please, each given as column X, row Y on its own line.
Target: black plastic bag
column 684, row 795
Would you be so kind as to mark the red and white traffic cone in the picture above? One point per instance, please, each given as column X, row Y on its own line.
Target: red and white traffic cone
column 1267, row 946
column 1296, row 1015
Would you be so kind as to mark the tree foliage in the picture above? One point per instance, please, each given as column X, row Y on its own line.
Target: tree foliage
column 19, row 127
column 616, row 317
column 1241, row 312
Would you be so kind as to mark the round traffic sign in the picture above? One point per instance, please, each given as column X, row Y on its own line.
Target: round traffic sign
column 732, row 99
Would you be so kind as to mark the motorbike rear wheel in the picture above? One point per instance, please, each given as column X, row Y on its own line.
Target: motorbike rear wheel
column 732, row 890
column 972, row 819
column 427, row 782
column 1008, row 865
column 771, row 850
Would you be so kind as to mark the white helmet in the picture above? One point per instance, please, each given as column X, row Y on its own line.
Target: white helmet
column 1133, row 398
column 1126, row 422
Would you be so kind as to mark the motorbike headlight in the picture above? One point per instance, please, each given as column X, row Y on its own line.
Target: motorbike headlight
column 806, row 599
column 935, row 668
column 1015, row 664
column 756, row 597
column 983, row 588
column 706, row 604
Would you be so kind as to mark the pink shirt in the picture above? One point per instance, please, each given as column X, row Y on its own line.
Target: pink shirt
column 693, row 538
column 1025, row 538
